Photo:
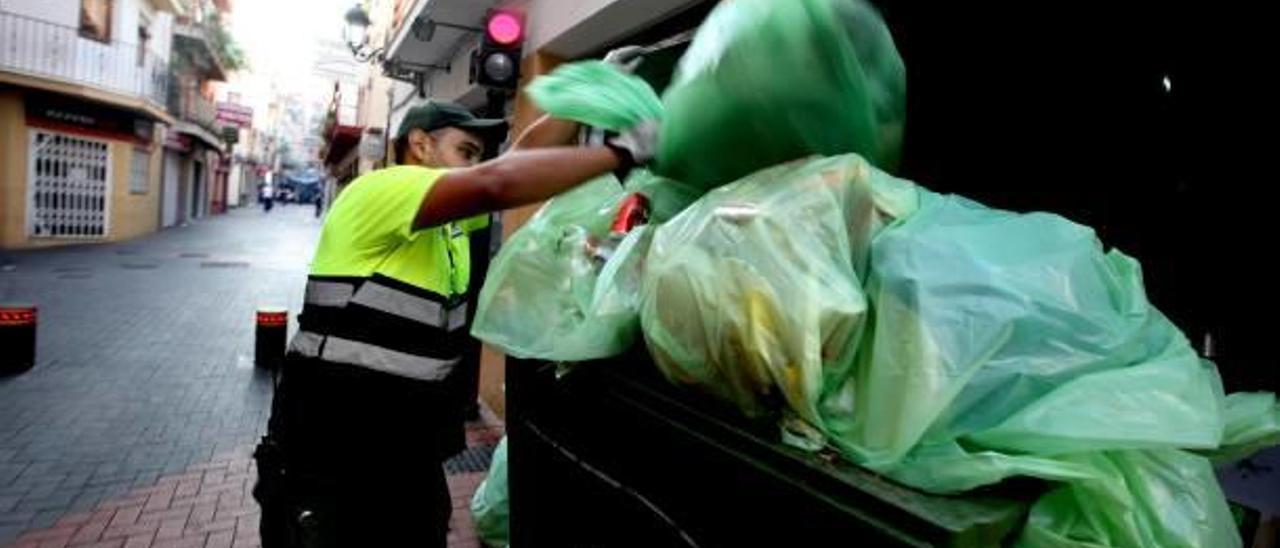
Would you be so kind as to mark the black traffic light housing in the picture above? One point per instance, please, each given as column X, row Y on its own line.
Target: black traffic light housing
column 496, row 64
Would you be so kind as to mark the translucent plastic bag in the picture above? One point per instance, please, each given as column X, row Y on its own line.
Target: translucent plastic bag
column 536, row 300
column 595, row 93
column 1014, row 345
column 491, row 503
column 551, row 294
column 752, row 293
column 1015, row 334
column 765, row 82
column 1158, row 498
column 1252, row 424
column 982, row 345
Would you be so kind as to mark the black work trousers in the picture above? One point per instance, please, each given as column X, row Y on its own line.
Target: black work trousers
column 349, row 461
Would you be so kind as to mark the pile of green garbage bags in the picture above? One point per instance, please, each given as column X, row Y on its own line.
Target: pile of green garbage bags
column 950, row 346
column 942, row 343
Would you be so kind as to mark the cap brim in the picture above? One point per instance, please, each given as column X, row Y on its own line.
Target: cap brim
column 487, row 125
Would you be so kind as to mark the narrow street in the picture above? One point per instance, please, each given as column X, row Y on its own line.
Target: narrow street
column 136, row 425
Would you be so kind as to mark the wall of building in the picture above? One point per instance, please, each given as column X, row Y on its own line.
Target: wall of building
column 235, row 182
column 134, row 215
column 13, row 167
column 124, row 18
column 573, row 28
column 62, row 12
column 129, row 215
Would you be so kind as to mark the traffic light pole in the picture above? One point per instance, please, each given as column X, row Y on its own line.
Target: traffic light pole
column 496, row 104
column 482, row 248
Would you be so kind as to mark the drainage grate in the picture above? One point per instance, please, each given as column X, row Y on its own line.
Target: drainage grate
column 224, row 264
column 69, row 269
column 84, row 275
column 190, row 255
column 473, row 459
column 140, row 266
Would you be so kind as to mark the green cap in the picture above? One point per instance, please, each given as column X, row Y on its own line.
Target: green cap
column 440, row 114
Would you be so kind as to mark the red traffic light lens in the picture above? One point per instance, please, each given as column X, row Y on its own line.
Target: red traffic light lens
column 504, row 28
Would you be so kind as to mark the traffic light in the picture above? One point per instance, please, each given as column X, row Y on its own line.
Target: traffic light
column 497, row 63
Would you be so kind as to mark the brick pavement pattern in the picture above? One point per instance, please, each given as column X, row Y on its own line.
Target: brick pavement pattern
column 209, row 505
column 135, row 426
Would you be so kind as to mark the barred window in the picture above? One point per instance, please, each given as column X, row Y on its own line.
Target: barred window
column 70, row 182
column 140, row 172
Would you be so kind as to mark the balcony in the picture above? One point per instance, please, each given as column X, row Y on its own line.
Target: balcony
column 340, row 130
column 196, row 114
column 197, row 42
column 46, row 50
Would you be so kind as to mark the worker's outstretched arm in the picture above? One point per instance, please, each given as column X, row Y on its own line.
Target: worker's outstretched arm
column 546, row 132
column 524, row 177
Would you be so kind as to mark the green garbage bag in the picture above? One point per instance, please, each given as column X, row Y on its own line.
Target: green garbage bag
column 765, row 82
column 1015, row 334
column 1252, row 424
column 1164, row 498
column 491, row 503
column 595, row 93
column 536, row 300
column 751, row 293
column 554, row 293
column 1014, row 345
column 949, row 346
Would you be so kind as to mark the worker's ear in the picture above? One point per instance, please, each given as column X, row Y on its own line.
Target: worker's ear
column 422, row 145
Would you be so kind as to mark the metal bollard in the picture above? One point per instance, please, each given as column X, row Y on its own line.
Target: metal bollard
column 269, row 339
column 17, row 338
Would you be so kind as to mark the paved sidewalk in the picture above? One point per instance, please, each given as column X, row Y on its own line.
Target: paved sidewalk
column 144, row 386
column 210, row 505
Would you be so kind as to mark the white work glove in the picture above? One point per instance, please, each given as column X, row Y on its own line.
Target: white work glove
column 636, row 146
column 626, row 58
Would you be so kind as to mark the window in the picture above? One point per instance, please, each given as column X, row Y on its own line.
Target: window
column 69, row 181
column 140, row 171
column 144, row 36
column 95, row 19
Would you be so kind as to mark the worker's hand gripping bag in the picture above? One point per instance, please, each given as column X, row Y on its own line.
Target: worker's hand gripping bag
column 752, row 293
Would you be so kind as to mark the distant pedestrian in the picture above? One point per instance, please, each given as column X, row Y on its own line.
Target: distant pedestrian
column 267, row 199
column 319, row 203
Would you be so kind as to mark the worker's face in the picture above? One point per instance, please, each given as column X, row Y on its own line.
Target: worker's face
column 449, row 148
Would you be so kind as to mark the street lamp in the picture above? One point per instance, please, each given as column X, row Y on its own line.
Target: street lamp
column 357, row 34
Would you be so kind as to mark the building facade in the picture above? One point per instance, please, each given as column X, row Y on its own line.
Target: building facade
column 83, row 86
column 196, row 162
column 107, row 131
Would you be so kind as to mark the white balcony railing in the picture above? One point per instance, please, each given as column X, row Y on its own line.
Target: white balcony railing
column 45, row 49
column 186, row 103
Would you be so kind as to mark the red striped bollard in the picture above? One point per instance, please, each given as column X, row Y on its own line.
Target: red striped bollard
column 17, row 338
column 269, row 338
